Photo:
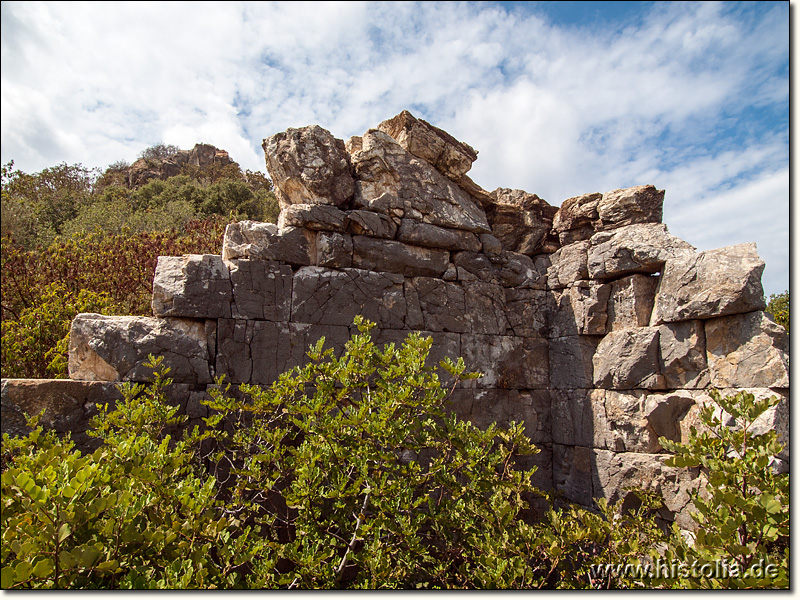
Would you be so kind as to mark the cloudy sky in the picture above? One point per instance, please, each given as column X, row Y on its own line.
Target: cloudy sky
column 559, row 98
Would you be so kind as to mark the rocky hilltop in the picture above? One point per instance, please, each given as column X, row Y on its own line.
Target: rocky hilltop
column 591, row 322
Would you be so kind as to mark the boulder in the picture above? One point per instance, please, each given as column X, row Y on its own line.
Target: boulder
column 264, row 241
column 747, row 351
column 522, row 222
column 568, row 264
column 116, row 348
column 320, row 217
column 396, row 257
column 628, row 359
column 474, row 266
column 193, row 285
column 309, row 166
column 372, row 224
column 519, row 271
column 575, row 219
column 432, row 236
column 632, row 249
column 710, row 284
column 391, row 181
column 433, row 145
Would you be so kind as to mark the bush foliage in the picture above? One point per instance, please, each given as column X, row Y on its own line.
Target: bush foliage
column 350, row 472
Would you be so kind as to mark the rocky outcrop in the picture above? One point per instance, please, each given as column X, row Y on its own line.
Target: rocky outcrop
column 591, row 323
column 202, row 157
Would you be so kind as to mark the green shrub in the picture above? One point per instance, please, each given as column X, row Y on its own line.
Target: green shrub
column 134, row 514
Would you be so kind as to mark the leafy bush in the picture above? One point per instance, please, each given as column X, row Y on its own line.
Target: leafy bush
column 743, row 512
column 134, row 514
column 778, row 307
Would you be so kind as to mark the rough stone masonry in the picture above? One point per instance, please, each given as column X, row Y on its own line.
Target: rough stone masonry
column 592, row 324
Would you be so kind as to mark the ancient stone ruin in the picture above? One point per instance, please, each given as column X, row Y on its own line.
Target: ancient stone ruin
column 591, row 323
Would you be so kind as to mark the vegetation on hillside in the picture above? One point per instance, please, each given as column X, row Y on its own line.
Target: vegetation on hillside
column 77, row 240
column 350, row 472
column 778, row 307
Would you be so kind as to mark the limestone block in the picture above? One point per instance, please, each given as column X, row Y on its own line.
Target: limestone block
column 568, row 264
column 522, row 222
column 435, row 305
column 526, row 311
column 334, row 250
column 326, row 297
column 714, row 283
column 490, row 244
column 396, row 257
column 580, row 309
column 193, row 285
column 628, row 359
column 372, row 224
column 574, row 473
column 575, row 219
column 502, row 407
column 472, row 266
column 683, row 354
column 571, row 417
column 105, row 348
column 631, row 302
column 571, row 361
column 640, row 204
column 264, row 241
column 507, row 362
column 485, row 308
column 309, row 166
column 641, row 248
column 392, row 181
column 318, row 217
column 621, row 422
column 433, row 236
column 258, row 352
column 435, row 146
column 444, row 345
column 666, row 415
column 748, row 350
column 519, row 271
column 261, row 289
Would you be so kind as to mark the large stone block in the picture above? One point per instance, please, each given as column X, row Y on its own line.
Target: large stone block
column 502, row 407
column 640, row 204
column 628, row 359
column 522, row 222
column 571, row 361
column 105, row 348
column 264, row 241
column 433, row 236
column 193, row 285
column 319, row 217
column 641, row 248
column 474, row 266
column 621, row 422
column 507, row 362
column 326, row 297
column 581, row 309
column 574, row 473
column 576, row 218
column 568, row 265
column 334, row 250
column 372, row 224
column 485, row 308
column 436, row 305
column 392, row 181
column 526, row 311
column 309, row 166
column 710, row 284
column 261, row 289
column 443, row 345
column 396, row 257
column 630, row 303
column 683, row 354
column 749, row 350
column 571, row 417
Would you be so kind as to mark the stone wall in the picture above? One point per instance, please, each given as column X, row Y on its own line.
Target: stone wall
column 591, row 323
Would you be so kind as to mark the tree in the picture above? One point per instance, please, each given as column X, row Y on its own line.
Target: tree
column 159, row 152
column 778, row 307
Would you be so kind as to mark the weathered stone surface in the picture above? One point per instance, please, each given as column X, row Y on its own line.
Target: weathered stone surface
column 435, row 305
column 264, row 241
column 326, row 297
column 574, row 473
column 683, row 355
column 435, row 146
column 309, row 166
column 510, row 363
column 261, row 289
column 526, row 311
column 389, row 180
column 580, row 309
column 115, row 348
column 319, row 217
column 432, row 236
column 522, row 222
column 396, row 257
column 574, row 221
column 665, row 413
column 571, row 417
column 640, row 204
column 745, row 351
column 628, row 359
column 568, row 264
column 714, row 283
column 620, row 422
column 472, row 266
column 192, row 285
column 631, row 302
column 503, row 407
column 571, row 361
column 444, row 345
column 372, row 224
column 633, row 249
column 334, row 250
column 485, row 308
column 519, row 271
column 258, row 352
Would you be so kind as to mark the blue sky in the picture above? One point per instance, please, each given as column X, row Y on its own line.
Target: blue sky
column 559, row 98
